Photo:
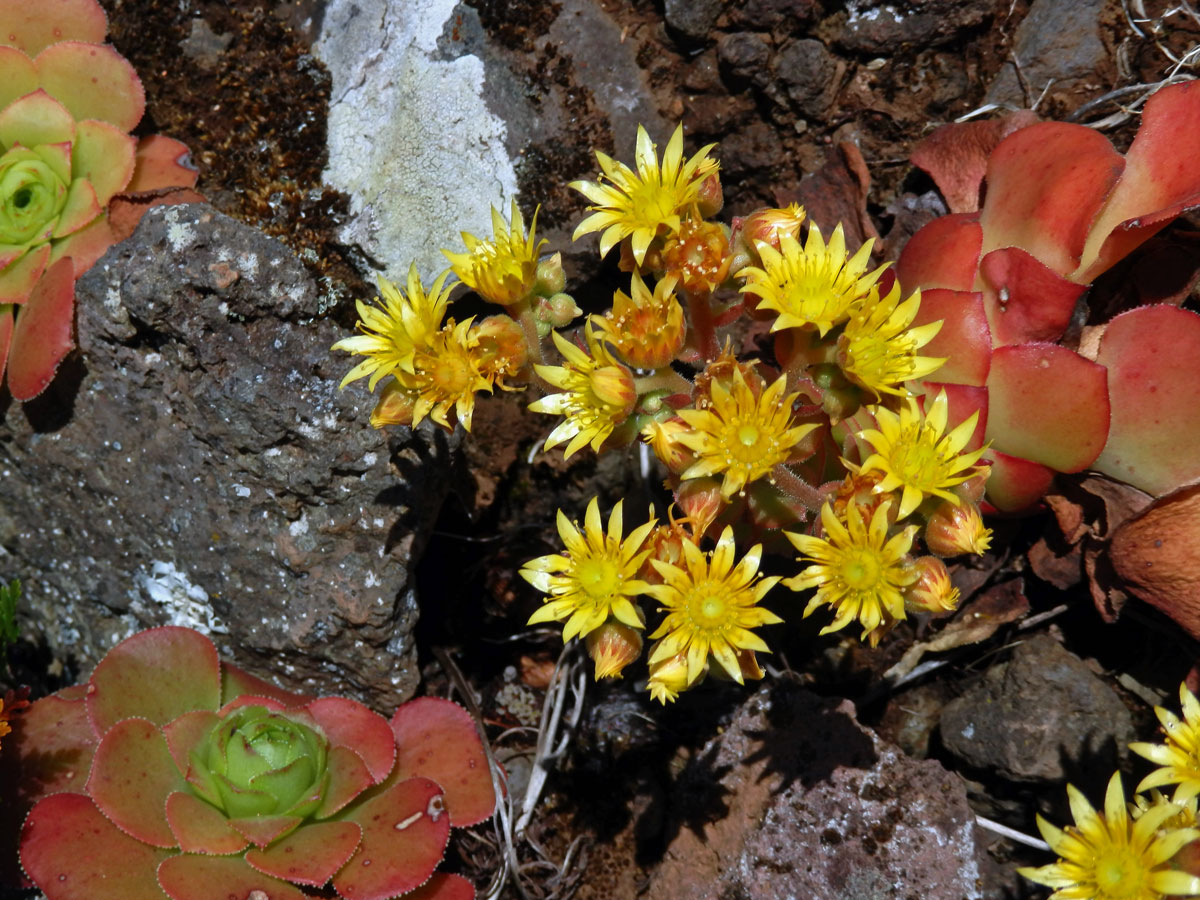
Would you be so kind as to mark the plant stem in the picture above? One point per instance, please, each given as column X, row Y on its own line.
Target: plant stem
column 797, row 488
column 664, row 379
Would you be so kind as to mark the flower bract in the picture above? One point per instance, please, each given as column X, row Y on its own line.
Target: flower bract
column 856, row 568
column 917, row 456
column 635, row 204
column 740, row 436
column 1108, row 856
column 595, row 578
column 711, row 605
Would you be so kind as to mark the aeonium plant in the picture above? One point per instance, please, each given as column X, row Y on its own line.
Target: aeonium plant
column 191, row 780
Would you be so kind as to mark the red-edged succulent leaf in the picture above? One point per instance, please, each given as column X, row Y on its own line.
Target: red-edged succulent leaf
column 104, row 155
column 1047, row 404
column 965, row 340
column 126, row 211
column 1155, row 554
column 942, row 254
column 199, row 827
column 443, row 886
column 158, row 674
column 34, row 119
column 72, row 852
column 86, row 246
column 404, row 834
column 162, row 162
column 132, row 776
column 42, row 335
column 956, row 155
column 80, row 209
column 1151, row 355
column 7, row 311
column 18, row 76
column 248, row 700
column 185, row 733
column 52, row 749
column 309, row 855
column 236, row 681
column 1015, row 484
column 1025, row 300
column 437, row 739
column 963, row 401
column 1045, row 185
column 1161, row 179
column 17, row 279
column 188, row 877
column 262, row 830
column 348, row 723
column 31, row 27
column 348, row 777
column 93, row 81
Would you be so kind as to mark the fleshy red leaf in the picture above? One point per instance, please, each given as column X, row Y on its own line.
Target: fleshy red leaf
column 1026, row 300
column 132, row 776
column 964, row 341
column 86, row 246
column 41, row 337
column 956, row 155
column 81, row 209
column 200, row 827
column 1161, row 179
column 190, row 877
column 73, row 853
column 942, row 254
column 262, row 830
column 443, row 886
column 1045, row 185
column 404, row 834
column 1155, row 554
column 162, row 162
column 31, row 27
column 350, row 724
column 309, row 855
column 158, row 674
column 1047, row 404
column 93, row 81
column 1015, row 484
column 34, row 119
column 437, row 739
column 18, row 278
column 348, row 777
column 7, row 311
column 235, row 682
column 186, row 732
column 1154, row 441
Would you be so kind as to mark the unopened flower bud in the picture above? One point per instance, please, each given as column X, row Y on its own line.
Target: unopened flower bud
column 614, row 386
column 933, row 591
column 764, row 226
column 646, row 327
column 956, row 528
column 698, row 255
column 500, row 348
column 612, row 647
column 711, row 197
column 550, row 276
column 668, row 677
column 557, row 311
column 663, row 438
column 701, row 501
column 395, row 406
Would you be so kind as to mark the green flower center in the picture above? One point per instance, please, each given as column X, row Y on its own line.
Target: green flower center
column 1120, row 875
column 600, row 579
column 861, row 569
column 915, row 460
column 708, row 607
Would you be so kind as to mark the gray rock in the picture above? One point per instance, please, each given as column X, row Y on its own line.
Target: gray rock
column 745, row 55
column 883, row 26
column 693, row 19
column 1058, row 41
column 776, row 15
column 200, row 467
column 1034, row 716
column 796, row 799
column 812, row 74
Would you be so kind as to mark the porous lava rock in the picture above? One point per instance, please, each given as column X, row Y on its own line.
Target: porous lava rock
column 1039, row 717
column 197, row 465
column 796, row 799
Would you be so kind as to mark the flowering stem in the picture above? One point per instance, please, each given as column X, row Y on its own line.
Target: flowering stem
column 704, row 334
column 664, row 379
column 533, row 342
column 796, row 487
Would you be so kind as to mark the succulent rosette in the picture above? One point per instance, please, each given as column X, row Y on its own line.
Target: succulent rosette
column 192, row 780
column 67, row 105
